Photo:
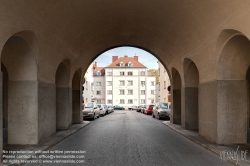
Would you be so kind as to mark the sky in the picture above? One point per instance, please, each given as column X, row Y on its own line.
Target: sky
column 147, row 59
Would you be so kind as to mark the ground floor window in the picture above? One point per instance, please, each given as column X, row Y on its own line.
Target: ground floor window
column 130, row 101
column 122, row 101
column 142, row 101
column 109, row 101
column 99, row 101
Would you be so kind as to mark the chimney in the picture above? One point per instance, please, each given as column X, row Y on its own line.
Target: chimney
column 136, row 58
column 125, row 56
column 94, row 65
column 114, row 58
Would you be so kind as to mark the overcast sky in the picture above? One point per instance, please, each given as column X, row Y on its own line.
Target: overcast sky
column 145, row 57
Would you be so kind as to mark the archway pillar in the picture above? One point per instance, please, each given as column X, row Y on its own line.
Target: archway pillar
column 189, row 110
column 23, row 112
column 77, row 106
column 232, row 109
column 175, row 116
column 63, row 107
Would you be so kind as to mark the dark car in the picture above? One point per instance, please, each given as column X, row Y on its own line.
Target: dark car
column 117, row 107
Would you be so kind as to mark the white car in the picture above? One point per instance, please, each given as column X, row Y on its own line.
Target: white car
column 91, row 111
column 103, row 109
column 161, row 110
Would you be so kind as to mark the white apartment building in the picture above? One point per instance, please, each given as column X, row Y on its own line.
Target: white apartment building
column 124, row 82
column 163, row 95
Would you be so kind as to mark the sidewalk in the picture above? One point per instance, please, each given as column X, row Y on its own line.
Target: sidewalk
column 215, row 148
column 46, row 144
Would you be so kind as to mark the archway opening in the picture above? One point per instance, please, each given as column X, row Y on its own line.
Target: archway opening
column 20, row 105
column 190, row 113
column 76, row 99
column 63, row 110
column 124, row 78
column 176, row 98
column 233, row 91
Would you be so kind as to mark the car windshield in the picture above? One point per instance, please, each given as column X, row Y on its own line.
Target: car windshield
column 164, row 105
column 90, row 105
column 99, row 106
column 151, row 106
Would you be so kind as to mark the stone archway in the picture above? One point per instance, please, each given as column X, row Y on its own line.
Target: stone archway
column 21, row 97
column 63, row 110
column 190, row 113
column 176, row 98
column 232, row 91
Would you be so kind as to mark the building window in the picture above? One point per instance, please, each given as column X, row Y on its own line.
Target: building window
column 99, row 73
column 122, row 101
column 98, row 83
column 130, row 83
column 130, row 101
column 152, row 83
column 109, row 92
column 109, row 73
column 122, row 83
column 130, row 73
column 142, row 92
column 109, row 83
column 142, row 83
column 109, row 101
column 152, row 100
column 98, row 92
column 122, row 73
column 121, row 92
column 99, row 101
column 164, row 84
column 130, row 64
column 152, row 92
column 121, row 64
column 142, row 101
column 130, row 92
column 143, row 73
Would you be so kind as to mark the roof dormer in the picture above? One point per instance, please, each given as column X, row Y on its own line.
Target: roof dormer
column 130, row 64
column 121, row 64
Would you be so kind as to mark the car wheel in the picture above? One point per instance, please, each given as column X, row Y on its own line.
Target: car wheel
column 159, row 117
column 153, row 116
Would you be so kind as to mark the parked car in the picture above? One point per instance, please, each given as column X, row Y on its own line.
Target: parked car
column 117, row 107
column 103, row 109
column 133, row 107
column 143, row 108
column 148, row 110
column 139, row 108
column 161, row 110
column 110, row 108
column 91, row 111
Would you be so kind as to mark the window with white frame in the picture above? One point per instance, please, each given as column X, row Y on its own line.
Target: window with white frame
column 130, row 73
column 152, row 83
column 109, row 73
column 130, row 83
column 109, row 83
column 130, row 64
column 130, row 92
column 152, row 92
column 122, row 83
column 98, row 83
column 98, row 92
column 142, row 101
column 122, row 73
column 121, row 64
column 143, row 73
column 122, row 101
column 142, row 92
column 130, row 101
column 142, row 83
column 99, row 73
column 99, row 101
column 109, row 92
column 109, row 101
column 121, row 91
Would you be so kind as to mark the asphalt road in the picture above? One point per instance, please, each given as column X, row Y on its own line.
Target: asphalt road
column 128, row 138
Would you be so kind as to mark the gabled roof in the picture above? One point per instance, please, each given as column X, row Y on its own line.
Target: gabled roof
column 134, row 60
column 95, row 69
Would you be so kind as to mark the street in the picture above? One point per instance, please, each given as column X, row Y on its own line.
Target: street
column 133, row 139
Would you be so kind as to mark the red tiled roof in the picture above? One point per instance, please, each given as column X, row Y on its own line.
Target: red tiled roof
column 126, row 60
column 95, row 68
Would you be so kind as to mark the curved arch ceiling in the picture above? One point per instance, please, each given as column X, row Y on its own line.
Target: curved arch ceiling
column 162, row 26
